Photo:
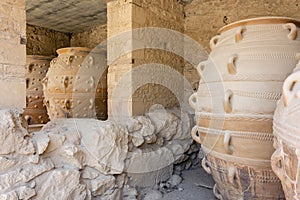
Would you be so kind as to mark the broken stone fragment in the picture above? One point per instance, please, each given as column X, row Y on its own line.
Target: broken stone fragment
column 89, row 173
column 41, row 142
column 137, row 139
column 134, row 125
column 147, row 129
column 73, row 154
column 158, row 116
column 102, row 184
column 170, row 128
column 12, row 135
column 150, row 139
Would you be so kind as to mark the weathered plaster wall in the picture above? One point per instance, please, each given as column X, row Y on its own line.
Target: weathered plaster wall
column 43, row 41
column 12, row 53
column 90, row 38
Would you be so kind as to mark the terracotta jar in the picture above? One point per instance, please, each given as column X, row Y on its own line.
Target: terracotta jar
column 286, row 158
column 72, row 87
column 240, row 84
column 36, row 69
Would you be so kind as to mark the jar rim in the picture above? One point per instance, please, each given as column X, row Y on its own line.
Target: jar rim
column 260, row 20
column 73, row 50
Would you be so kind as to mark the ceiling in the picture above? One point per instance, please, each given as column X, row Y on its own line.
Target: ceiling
column 66, row 15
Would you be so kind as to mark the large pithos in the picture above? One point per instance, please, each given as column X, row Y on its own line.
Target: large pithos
column 36, row 69
column 285, row 160
column 240, row 84
column 72, row 87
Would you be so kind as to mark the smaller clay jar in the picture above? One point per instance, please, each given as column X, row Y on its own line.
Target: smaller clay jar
column 36, row 69
column 72, row 87
column 286, row 158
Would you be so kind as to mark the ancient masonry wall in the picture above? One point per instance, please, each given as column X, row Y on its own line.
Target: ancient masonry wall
column 166, row 16
column 205, row 17
column 90, row 38
column 43, row 41
column 128, row 15
column 13, row 53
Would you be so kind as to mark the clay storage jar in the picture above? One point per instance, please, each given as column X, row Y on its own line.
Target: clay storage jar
column 71, row 86
column 36, row 69
column 234, row 105
column 286, row 158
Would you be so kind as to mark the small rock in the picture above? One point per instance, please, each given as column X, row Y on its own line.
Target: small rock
column 160, row 142
column 150, row 139
column 101, row 184
column 137, row 140
column 134, row 125
column 175, row 180
column 41, row 142
column 180, row 189
column 153, row 195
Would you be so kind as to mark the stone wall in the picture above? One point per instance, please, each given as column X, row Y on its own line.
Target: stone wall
column 125, row 16
column 43, row 41
column 12, row 53
column 90, row 38
column 166, row 16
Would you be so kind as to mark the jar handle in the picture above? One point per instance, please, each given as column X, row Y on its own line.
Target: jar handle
column 288, row 87
column 193, row 101
column 232, row 175
column 227, row 101
column 196, row 135
column 276, row 163
column 227, row 139
column 205, row 166
column 231, row 66
column 217, row 192
column 293, row 30
column 239, row 34
column 214, row 41
column 201, row 67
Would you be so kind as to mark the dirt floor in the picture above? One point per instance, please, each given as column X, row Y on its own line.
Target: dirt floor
column 196, row 185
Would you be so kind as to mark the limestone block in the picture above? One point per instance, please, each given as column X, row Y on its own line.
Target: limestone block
column 79, row 142
column 61, row 184
column 23, row 174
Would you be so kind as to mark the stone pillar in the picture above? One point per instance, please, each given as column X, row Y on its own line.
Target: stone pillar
column 12, row 53
column 143, row 57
